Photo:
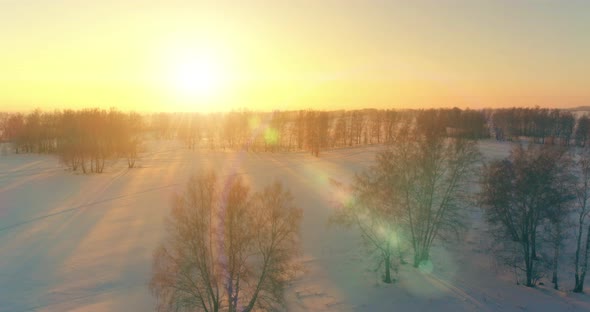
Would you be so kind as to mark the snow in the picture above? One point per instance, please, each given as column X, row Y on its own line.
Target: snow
column 84, row 242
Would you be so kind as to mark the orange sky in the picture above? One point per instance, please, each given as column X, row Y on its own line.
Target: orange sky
column 221, row 55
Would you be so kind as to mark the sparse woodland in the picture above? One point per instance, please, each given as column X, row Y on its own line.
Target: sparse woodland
column 309, row 130
column 88, row 135
column 83, row 140
column 415, row 194
column 541, row 125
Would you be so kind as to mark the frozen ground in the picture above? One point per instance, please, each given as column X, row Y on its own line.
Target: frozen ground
column 70, row 242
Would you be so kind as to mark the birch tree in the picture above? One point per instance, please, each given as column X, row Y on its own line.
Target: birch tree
column 226, row 249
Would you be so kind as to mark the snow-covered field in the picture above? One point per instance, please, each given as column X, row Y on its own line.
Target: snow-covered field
column 71, row 242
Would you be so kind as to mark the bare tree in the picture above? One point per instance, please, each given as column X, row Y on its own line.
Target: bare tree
column 558, row 218
column 582, row 130
column 276, row 238
column 415, row 192
column 435, row 172
column 518, row 193
column 186, row 273
column 583, row 209
column 316, row 131
column 130, row 138
column 189, row 130
column 375, row 212
column 357, row 124
column 226, row 250
column 391, row 119
column 300, row 128
column 339, row 137
column 14, row 131
column 376, row 126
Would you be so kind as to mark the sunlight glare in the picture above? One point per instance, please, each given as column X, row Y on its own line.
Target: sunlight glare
column 194, row 74
column 195, row 77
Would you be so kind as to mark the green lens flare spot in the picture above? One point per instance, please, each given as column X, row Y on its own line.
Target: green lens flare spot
column 271, row 136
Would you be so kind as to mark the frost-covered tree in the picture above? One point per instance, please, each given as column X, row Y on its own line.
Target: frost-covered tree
column 226, row 249
column 434, row 174
column 415, row 193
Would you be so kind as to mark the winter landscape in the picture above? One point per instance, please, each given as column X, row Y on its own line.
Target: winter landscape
column 74, row 241
column 334, row 155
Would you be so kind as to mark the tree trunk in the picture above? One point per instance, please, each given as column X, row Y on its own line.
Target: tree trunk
column 416, row 259
column 529, row 265
column 534, row 248
column 131, row 162
column 585, row 263
column 100, row 165
column 529, row 276
column 400, row 253
column 555, row 265
column 578, row 287
column 420, row 256
column 387, row 278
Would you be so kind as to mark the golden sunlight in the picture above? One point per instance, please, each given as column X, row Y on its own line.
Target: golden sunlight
column 195, row 77
column 193, row 74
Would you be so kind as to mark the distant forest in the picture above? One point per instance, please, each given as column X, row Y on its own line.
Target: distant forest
column 86, row 138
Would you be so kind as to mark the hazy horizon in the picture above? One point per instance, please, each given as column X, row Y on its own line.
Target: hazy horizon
column 218, row 56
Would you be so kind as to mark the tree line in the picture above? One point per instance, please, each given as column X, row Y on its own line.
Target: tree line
column 542, row 125
column 82, row 139
column 314, row 131
column 309, row 130
column 278, row 131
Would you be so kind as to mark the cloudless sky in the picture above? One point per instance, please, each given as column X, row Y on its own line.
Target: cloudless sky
column 293, row 54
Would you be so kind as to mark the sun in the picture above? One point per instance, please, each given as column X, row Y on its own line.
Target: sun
column 194, row 74
column 195, row 77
